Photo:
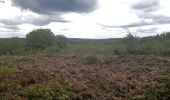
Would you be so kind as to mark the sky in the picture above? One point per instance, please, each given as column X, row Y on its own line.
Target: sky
column 94, row 19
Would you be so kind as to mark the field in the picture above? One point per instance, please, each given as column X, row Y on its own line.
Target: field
column 43, row 66
column 84, row 77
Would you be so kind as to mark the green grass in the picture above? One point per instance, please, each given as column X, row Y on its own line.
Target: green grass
column 60, row 91
column 7, row 70
column 39, row 92
column 91, row 59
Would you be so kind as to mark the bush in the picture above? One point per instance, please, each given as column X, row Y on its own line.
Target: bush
column 11, row 46
column 5, row 70
column 61, row 41
column 40, row 39
column 161, row 91
column 52, row 51
column 91, row 59
column 61, row 91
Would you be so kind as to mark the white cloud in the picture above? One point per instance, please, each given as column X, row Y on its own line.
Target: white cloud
column 7, row 11
column 113, row 13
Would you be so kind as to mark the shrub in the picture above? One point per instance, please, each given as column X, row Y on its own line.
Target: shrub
column 161, row 91
column 61, row 41
column 11, row 46
column 5, row 70
column 52, row 51
column 39, row 39
column 91, row 59
column 60, row 91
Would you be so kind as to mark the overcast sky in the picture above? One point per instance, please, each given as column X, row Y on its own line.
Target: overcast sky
column 85, row 18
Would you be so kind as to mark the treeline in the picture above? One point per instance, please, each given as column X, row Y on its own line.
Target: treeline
column 131, row 44
column 41, row 40
column 157, row 45
column 12, row 45
column 45, row 42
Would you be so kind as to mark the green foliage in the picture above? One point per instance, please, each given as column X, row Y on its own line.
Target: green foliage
column 91, row 59
column 38, row 92
column 44, row 40
column 132, row 43
column 40, row 39
column 52, row 51
column 61, row 91
column 130, row 37
column 105, row 46
column 61, row 41
column 156, row 45
column 4, row 70
column 11, row 46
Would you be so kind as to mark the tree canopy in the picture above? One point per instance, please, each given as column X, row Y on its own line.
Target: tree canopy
column 40, row 39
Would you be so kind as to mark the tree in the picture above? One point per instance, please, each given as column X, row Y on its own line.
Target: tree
column 12, row 45
column 40, row 39
column 61, row 41
column 132, row 43
column 130, row 37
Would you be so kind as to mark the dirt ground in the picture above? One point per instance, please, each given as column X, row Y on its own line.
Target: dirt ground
column 107, row 78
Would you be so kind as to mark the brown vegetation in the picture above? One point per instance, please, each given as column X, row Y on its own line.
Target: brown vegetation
column 105, row 79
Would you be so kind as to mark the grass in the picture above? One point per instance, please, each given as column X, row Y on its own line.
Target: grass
column 40, row 92
column 91, row 59
column 60, row 91
column 4, row 70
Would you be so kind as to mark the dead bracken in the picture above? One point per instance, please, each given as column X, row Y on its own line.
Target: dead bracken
column 122, row 78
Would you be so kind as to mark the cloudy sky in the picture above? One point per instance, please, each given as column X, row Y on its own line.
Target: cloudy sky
column 85, row 18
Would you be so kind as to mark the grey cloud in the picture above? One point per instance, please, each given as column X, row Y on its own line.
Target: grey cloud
column 9, row 34
column 56, row 6
column 147, row 5
column 139, row 24
column 146, row 10
column 134, row 27
column 161, row 19
column 40, row 21
column 10, row 22
column 64, row 29
column 9, row 27
column 156, row 18
column 106, row 26
column 151, row 30
column 12, row 27
column 131, row 25
column 8, row 31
